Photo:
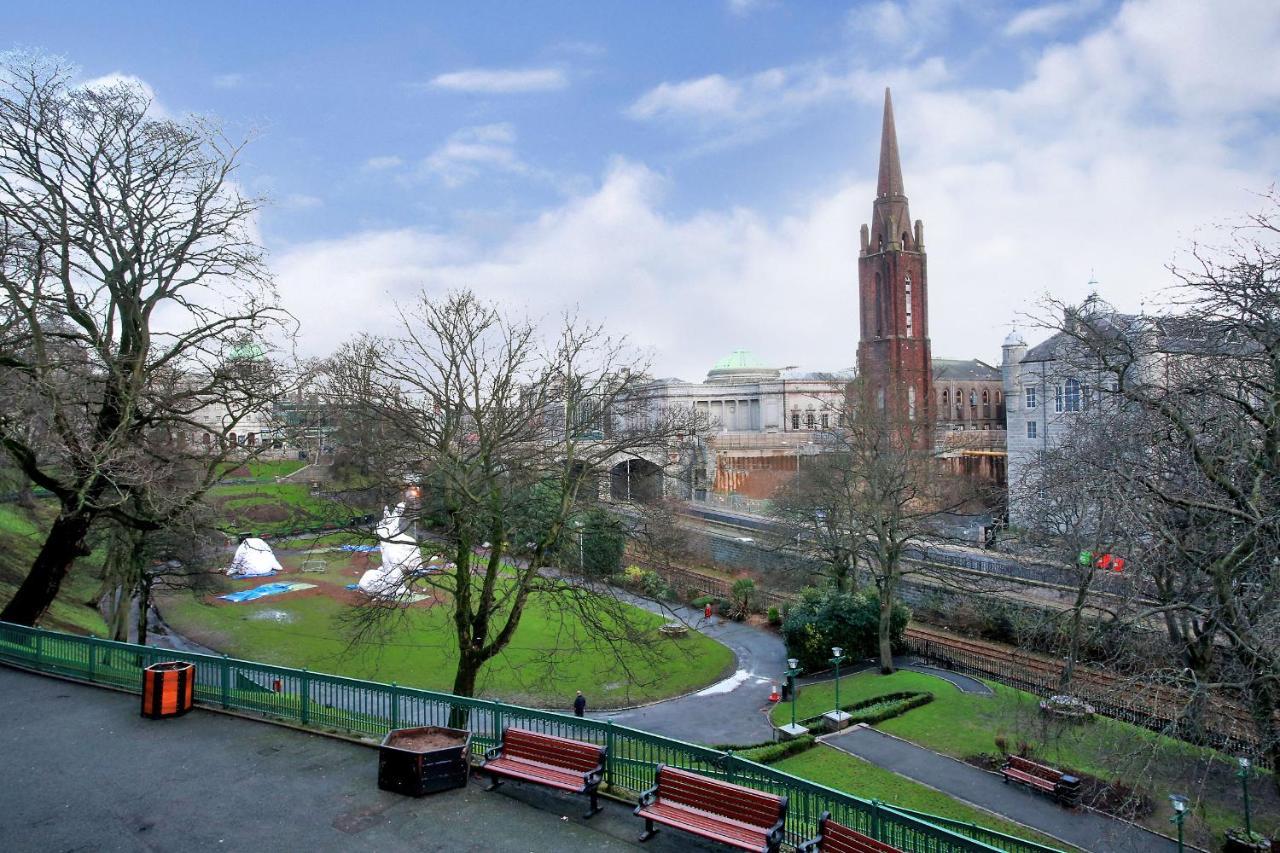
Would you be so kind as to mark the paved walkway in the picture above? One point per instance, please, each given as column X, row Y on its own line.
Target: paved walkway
column 83, row 771
column 1084, row 829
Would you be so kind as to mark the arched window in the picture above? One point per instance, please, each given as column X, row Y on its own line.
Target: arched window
column 986, row 403
column 231, row 439
column 879, row 305
column 911, row 402
column 906, row 286
column 810, row 422
column 946, row 400
column 252, row 439
column 795, row 419
column 1073, row 395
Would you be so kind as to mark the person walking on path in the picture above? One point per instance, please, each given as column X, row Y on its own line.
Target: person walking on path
column 579, row 705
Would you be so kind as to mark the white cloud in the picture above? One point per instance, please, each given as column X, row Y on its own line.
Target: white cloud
column 908, row 26
column 743, row 8
column 1040, row 20
column 1107, row 157
column 300, row 201
column 118, row 78
column 472, row 150
column 717, row 103
column 375, row 164
column 502, row 81
column 228, row 81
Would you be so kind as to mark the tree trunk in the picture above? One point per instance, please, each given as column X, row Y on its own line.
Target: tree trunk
column 144, row 606
column 62, row 546
column 886, row 622
column 464, row 684
column 121, row 599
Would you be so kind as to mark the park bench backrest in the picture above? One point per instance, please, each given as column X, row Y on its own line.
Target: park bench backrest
column 838, row 838
column 549, row 749
column 722, row 798
column 1026, row 765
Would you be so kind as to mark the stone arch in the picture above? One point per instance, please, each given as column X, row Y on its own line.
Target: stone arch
column 635, row 480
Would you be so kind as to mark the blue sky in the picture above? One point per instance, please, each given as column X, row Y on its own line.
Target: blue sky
column 694, row 174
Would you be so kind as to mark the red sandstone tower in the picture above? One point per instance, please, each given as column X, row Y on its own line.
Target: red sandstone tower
column 893, row 351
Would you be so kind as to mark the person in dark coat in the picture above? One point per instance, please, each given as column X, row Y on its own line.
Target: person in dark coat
column 579, row 705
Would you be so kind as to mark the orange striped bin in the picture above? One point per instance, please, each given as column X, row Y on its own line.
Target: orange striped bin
column 168, row 689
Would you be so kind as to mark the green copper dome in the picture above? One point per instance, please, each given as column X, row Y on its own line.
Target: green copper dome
column 741, row 365
column 247, row 351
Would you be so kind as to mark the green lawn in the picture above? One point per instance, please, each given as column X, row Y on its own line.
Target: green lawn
column 963, row 725
column 829, row 766
column 549, row 658
column 267, row 469
column 270, row 507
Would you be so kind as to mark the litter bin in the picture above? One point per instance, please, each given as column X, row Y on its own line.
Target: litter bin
column 168, row 689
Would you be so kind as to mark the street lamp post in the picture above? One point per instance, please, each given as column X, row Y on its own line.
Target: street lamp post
column 1243, row 775
column 581, row 559
column 1179, row 815
column 793, row 669
column 837, row 716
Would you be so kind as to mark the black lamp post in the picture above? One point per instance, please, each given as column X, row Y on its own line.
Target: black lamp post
column 1179, row 803
column 793, row 669
column 1243, row 775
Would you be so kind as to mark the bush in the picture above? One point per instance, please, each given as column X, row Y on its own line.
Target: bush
column 743, row 593
column 771, row 752
column 876, row 709
column 774, row 617
column 826, row 618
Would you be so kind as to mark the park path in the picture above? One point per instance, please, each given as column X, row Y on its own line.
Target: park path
column 1081, row 828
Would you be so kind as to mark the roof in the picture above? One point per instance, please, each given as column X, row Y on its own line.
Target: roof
column 247, row 351
column 967, row 369
column 740, row 359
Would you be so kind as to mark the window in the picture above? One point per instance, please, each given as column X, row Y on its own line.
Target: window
column 946, row 400
column 795, row 420
column 1031, row 429
column 1073, row 395
column 809, row 421
column 1057, row 398
column 825, row 422
column 986, row 403
column 204, row 439
column 231, row 439
column 1031, row 398
column 252, row 439
column 911, row 403
column 880, row 399
column 840, row 420
column 907, row 288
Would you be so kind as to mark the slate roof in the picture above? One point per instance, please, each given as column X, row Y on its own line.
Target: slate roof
column 972, row 369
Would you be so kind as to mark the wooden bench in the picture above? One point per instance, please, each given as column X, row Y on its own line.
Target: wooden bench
column 837, row 838
column 1031, row 773
column 556, row 762
column 721, row 811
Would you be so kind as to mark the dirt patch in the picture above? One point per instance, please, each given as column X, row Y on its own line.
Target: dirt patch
column 240, row 472
column 422, row 740
column 262, row 513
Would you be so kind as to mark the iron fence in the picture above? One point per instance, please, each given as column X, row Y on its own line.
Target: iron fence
column 370, row 709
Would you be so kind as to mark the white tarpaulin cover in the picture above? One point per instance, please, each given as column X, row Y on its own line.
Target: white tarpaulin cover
column 401, row 556
column 253, row 557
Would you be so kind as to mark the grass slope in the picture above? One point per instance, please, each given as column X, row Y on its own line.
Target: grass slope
column 21, row 534
column 549, row 658
column 829, row 766
column 964, row 725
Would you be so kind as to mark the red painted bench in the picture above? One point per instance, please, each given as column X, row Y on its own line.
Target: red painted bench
column 556, row 762
column 837, row 838
column 1028, row 772
column 721, row 811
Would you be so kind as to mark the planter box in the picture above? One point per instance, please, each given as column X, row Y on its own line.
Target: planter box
column 1238, row 845
column 424, row 760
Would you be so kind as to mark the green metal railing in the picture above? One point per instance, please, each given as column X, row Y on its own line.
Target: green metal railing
column 372, row 708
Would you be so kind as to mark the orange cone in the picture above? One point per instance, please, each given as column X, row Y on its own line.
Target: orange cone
column 773, row 694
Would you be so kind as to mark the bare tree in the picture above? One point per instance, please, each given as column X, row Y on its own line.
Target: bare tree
column 1206, row 383
column 505, row 435
column 132, row 281
column 875, row 495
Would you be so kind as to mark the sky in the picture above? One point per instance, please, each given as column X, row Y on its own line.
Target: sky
column 693, row 175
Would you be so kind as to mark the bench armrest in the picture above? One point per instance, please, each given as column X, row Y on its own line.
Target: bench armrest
column 810, row 846
column 648, row 798
column 593, row 776
column 776, row 831
column 493, row 752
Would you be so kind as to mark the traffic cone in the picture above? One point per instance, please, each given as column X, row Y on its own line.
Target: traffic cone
column 773, row 694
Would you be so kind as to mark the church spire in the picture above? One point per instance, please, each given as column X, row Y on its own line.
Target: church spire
column 890, row 183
